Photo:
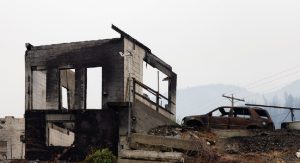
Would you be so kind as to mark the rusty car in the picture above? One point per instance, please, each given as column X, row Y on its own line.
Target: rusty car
column 227, row 117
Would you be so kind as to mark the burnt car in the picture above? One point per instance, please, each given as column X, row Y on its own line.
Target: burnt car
column 227, row 117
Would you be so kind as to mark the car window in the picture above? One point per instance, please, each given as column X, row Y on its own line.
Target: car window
column 241, row 113
column 226, row 112
column 222, row 112
column 216, row 113
column 262, row 113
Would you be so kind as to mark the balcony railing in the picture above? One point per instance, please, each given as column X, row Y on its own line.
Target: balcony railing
column 156, row 94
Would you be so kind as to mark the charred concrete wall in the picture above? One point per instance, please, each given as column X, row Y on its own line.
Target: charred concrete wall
column 11, row 135
column 39, row 89
column 51, row 68
column 93, row 129
column 47, row 70
column 79, row 56
column 139, row 53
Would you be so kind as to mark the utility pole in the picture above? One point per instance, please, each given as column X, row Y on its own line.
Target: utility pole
column 232, row 99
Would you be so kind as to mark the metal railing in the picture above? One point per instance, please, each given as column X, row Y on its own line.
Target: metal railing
column 156, row 94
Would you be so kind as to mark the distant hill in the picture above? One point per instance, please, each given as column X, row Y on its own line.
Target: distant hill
column 201, row 99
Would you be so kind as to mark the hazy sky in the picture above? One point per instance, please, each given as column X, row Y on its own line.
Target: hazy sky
column 223, row 41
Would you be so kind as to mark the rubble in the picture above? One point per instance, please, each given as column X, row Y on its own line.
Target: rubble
column 258, row 145
column 276, row 141
column 171, row 130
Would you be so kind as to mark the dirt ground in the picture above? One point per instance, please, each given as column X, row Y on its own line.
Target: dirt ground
column 263, row 147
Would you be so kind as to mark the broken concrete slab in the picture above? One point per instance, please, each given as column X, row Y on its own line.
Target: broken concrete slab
column 152, row 155
column 232, row 132
column 166, row 142
column 295, row 125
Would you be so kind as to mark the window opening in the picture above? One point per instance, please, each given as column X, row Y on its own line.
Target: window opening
column 94, row 88
column 67, row 88
column 65, row 101
column 60, row 130
column 158, row 81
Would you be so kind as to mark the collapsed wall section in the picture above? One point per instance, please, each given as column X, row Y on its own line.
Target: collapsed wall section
column 93, row 129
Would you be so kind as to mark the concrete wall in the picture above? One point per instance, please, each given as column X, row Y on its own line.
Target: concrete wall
column 147, row 118
column 11, row 130
column 59, row 136
column 43, row 91
column 133, row 64
column 39, row 83
column 39, row 89
column 79, row 55
column 93, row 129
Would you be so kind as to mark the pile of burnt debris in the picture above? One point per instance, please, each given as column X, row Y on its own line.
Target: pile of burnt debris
column 172, row 130
column 270, row 141
column 243, row 146
column 186, row 133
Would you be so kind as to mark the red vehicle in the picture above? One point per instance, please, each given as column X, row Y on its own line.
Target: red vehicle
column 227, row 117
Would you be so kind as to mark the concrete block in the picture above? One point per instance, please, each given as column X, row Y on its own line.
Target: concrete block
column 151, row 140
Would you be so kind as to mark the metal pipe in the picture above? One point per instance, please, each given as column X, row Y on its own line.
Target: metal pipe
column 278, row 107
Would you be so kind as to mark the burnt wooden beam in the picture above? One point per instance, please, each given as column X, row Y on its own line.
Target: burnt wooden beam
column 127, row 36
column 156, row 62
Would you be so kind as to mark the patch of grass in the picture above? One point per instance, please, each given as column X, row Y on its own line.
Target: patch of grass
column 101, row 156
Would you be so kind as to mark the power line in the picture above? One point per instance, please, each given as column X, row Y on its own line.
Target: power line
column 212, row 100
column 279, row 77
column 252, row 94
column 269, row 90
column 262, row 79
column 266, row 91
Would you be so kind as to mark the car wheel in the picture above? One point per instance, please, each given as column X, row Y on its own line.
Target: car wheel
column 194, row 124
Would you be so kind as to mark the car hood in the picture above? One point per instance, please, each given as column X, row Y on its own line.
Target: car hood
column 194, row 117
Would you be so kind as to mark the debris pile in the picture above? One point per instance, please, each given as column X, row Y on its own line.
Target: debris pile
column 274, row 141
column 260, row 146
column 186, row 133
column 171, row 130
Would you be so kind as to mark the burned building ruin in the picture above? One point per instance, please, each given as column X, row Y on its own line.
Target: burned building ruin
column 59, row 122
column 12, row 138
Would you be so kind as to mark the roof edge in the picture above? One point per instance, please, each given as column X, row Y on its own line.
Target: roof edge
column 124, row 34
